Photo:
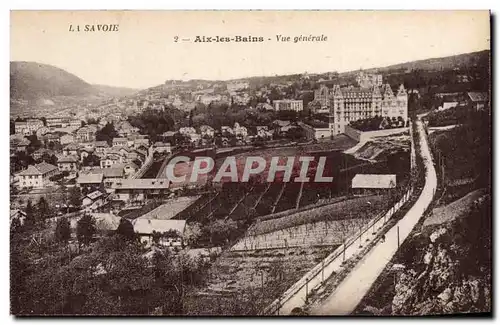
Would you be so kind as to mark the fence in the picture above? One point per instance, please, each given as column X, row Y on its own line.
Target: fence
column 276, row 305
column 319, row 268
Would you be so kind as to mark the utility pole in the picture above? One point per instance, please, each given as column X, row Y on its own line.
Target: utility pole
column 398, row 235
column 343, row 259
column 322, row 271
column 307, row 289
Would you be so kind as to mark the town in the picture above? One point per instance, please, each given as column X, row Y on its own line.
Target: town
column 113, row 188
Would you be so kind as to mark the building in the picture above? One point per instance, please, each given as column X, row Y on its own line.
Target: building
column 27, row 127
column 373, row 182
column 90, row 181
column 110, row 159
column 86, row 133
column 93, row 200
column 36, row 176
column 58, row 121
column 139, row 189
column 322, row 95
column 22, row 145
column 239, row 130
column 207, row 131
column 354, row 103
column 170, row 232
column 288, row 105
column 478, row 100
column 367, row 80
column 67, row 139
column 68, row 163
column 120, row 142
column 19, row 215
column 162, row 147
column 235, row 86
column 187, row 130
column 101, row 147
column 71, row 149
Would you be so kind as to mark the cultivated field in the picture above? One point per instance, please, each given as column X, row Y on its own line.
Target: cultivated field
column 237, row 279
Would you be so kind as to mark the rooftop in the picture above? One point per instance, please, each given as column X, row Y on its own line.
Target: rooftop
column 38, row 169
column 141, row 183
column 147, row 226
column 374, row 181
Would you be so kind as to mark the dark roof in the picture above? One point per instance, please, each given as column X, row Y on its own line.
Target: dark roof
column 478, row 97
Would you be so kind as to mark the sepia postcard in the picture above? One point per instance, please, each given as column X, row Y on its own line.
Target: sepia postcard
column 256, row 163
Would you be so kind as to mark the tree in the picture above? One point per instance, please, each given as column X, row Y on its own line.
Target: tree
column 63, row 230
column 126, row 229
column 107, row 133
column 75, row 197
column 193, row 233
column 30, row 220
column 220, row 231
column 85, row 229
column 91, row 160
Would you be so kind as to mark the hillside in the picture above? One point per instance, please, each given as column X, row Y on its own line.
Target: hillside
column 115, row 91
column 466, row 60
column 43, row 82
column 31, row 80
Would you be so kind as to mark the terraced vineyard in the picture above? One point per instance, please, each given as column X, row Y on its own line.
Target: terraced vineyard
column 266, row 203
column 288, row 199
column 242, row 283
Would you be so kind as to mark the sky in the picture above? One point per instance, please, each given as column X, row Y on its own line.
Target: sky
column 143, row 52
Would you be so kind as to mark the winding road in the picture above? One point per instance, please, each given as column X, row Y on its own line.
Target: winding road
column 355, row 286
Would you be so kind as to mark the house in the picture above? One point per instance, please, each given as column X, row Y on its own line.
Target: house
column 110, row 159
column 90, row 181
column 93, row 200
column 140, row 142
column 38, row 154
column 75, row 123
column 101, row 147
column 240, row 131
column 138, row 190
column 171, row 232
column 68, row 163
column 125, row 129
column 22, row 145
column 120, row 142
column 130, row 168
column 71, row 149
column 263, row 131
column 86, row 133
column 57, row 121
column 162, row 147
column 226, row 129
column 187, row 130
column 67, row 139
column 52, row 137
column 110, row 174
column 27, row 127
column 373, row 182
column 36, row 176
column 478, row 100
column 42, row 131
column 207, row 131
column 85, row 152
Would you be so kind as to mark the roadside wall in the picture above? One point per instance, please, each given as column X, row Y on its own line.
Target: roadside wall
column 364, row 136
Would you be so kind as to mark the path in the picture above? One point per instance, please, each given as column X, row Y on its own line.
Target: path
column 355, row 286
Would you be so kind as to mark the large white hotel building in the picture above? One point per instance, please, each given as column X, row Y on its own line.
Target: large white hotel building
column 368, row 99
